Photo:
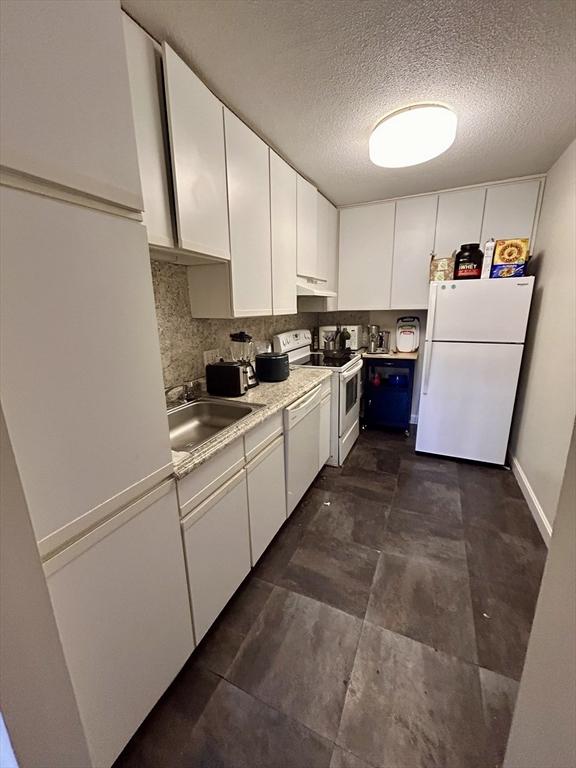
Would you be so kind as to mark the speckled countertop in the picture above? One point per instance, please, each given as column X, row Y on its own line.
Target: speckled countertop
column 392, row 355
column 272, row 396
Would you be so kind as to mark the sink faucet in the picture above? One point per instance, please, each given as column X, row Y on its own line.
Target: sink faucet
column 190, row 391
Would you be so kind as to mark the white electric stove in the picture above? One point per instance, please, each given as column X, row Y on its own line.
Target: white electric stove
column 346, row 388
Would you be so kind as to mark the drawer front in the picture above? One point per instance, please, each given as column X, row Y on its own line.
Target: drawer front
column 217, row 546
column 201, row 482
column 262, row 435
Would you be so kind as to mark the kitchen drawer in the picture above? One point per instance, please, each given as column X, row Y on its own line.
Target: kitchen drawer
column 262, row 435
column 201, row 482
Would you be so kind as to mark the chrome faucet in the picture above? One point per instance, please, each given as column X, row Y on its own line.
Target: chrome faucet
column 191, row 390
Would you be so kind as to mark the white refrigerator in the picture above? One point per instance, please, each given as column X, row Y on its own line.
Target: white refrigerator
column 474, row 343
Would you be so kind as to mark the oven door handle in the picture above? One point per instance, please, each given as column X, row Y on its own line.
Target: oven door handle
column 352, row 372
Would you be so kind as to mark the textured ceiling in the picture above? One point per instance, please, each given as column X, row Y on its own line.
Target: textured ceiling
column 313, row 77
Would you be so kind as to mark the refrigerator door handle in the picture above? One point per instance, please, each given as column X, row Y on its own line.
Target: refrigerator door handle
column 432, row 311
column 427, row 364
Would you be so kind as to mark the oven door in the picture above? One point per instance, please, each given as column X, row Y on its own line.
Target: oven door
column 350, row 390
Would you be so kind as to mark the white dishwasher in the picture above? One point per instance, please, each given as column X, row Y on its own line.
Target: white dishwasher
column 302, row 445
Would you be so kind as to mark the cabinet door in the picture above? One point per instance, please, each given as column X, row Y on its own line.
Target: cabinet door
column 248, row 172
column 365, row 257
column 283, row 224
column 307, row 217
column 66, row 114
column 325, row 407
column 328, row 247
column 413, row 244
column 195, row 121
column 121, row 604
column 145, row 69
column 510, row 211
column 459, row 219
column 217, row 546
column 78, row 330
column 266, row 496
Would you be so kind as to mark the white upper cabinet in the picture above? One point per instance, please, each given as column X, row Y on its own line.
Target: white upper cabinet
column 66, row 116
column 510, row 211
column 307, row 216
column 196, row 124
column 365, row 258
column 249, row 202
column 328, row 246
column 145, row 70
column 283, row 225
column 413, row 244
column 459, row 219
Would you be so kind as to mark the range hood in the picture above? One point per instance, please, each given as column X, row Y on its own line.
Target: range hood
column 305, row 288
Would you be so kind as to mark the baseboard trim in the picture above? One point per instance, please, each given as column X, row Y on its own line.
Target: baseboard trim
column 531, row 499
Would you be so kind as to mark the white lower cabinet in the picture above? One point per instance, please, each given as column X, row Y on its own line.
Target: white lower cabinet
column 302, row 426
column 266, row 496
column 325, row 408
column 120, row 600
column 217, row 546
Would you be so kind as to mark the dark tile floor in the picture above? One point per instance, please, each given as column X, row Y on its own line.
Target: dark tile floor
column 386, row 626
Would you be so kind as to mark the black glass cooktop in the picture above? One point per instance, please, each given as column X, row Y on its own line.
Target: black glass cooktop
column 318, row 359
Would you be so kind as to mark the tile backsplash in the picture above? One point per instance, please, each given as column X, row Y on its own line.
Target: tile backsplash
column 183, row 339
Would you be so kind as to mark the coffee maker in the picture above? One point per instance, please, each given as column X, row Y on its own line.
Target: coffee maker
column 243, row 352
column 373, row 338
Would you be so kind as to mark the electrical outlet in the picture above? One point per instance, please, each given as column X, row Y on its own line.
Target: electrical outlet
column 211, row 356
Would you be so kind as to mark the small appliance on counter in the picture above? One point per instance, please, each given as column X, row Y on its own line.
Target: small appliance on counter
column 242, row 351
column 373, row 338
column 227, row 378
column 407, row 334
column 357, row 336
column 272, row 366
column 384, row 342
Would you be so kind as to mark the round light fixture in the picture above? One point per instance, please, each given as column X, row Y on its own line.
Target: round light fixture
column 412, row 135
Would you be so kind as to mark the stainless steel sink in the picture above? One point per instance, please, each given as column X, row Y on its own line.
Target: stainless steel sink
column 193, row 423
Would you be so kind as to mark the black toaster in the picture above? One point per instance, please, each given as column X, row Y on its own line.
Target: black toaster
column 226, row 379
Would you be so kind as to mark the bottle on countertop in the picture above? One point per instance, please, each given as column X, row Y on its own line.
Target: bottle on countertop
column 469, row 260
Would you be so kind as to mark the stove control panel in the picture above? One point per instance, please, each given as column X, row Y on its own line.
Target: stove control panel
column 291, row 340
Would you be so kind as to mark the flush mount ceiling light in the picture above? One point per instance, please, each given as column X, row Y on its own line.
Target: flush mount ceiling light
column 412, row 135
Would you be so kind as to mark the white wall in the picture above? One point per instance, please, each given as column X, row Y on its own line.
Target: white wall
column 546, row 402
column 543, row 730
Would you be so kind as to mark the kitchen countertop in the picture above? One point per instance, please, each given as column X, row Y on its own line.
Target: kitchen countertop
column 272, row 396
column 392, row 355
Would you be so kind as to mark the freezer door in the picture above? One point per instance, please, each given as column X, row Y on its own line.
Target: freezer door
column 467, row 399
column 480, row 310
